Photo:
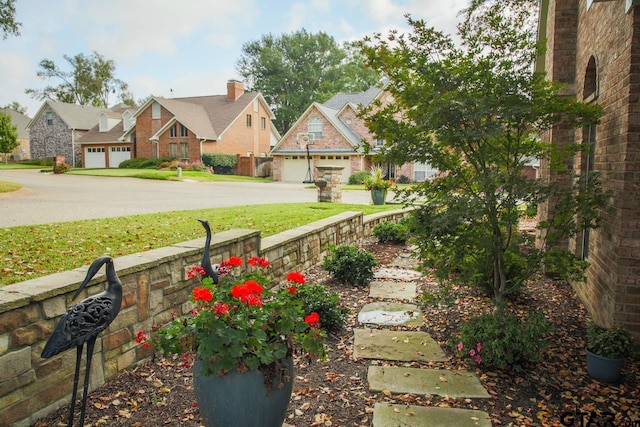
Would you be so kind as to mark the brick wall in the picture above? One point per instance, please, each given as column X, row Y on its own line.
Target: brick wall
column 609, row 35
column 154, row 286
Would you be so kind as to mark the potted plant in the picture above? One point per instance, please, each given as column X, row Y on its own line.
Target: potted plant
column 378, row 186
column 606, row 350
column 242, row 336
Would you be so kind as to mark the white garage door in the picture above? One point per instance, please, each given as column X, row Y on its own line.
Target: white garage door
column 337, row 161
column 294, row 168
column 94, row 157
column 118, row 155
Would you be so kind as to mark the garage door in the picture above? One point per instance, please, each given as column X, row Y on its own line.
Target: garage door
column 294, row 168
column 337, row 161
column 94, row 157
column 118, row 155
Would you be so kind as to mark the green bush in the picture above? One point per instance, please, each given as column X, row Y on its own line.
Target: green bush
column 505, row 341
column 350, row 265
column 145, row 163
column 318, row 298
column 359, row 177
column 223, row 164
column 391, row 232
column 38, row 162
column 403, row 179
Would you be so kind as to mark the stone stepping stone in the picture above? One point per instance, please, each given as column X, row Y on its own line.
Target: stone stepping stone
column 396, row 273
column 405, row 261
column 395, row 290
column 388, row 415
column 442, row 382
column 395, row 345
column 390, row 314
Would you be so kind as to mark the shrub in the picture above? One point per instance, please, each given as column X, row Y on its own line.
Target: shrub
column 391, row 232
column 318, row 298
column 358, row 177
column 403, row 179
column 61, row 168
column 38, row 162
column 350, row 265
column 145, row 163
column 223, row 164
column 506, row 341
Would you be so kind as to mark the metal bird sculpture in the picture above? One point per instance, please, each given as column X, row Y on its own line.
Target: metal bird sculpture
column 83, row 322
column 211, row 270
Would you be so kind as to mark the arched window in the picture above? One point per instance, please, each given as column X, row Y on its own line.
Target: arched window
column 315, row 127
column 591, row 81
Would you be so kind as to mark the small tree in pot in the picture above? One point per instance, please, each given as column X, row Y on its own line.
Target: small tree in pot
column 606, row 351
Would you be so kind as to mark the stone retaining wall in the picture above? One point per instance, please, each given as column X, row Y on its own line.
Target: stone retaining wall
column 154, row 285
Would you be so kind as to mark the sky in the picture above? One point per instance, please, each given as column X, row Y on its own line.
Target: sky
column 185, row 48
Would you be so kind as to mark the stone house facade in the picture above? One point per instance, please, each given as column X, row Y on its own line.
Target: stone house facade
column 592, row 48
column 56, row 127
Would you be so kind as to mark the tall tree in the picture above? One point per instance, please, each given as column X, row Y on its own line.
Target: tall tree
column 90, row 81
column 8, row 23
column 15, row 106
column 473, row 110
column 8, row 135
column 294, row 70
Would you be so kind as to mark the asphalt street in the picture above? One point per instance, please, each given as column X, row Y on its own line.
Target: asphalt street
column 47, row 198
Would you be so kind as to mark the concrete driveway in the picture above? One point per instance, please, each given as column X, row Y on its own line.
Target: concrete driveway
column 47, row 198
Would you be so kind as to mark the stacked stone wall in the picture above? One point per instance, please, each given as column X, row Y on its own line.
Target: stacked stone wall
column 155, row 289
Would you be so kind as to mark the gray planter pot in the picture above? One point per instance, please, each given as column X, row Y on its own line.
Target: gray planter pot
column 604, row 369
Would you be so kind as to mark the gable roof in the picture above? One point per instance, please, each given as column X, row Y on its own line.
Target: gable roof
column 80, row 117
column 355, row 98
column 208, row 117
column 19, row 120
column 94, row 135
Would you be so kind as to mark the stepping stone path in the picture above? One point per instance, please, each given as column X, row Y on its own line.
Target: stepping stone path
column 395, row 284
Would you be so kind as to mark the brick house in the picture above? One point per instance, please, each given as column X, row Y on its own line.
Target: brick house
column 335, row 133
column 592, row 47
column 237, row 123
column 57, row 126
column 101, row 146
column 20, row 121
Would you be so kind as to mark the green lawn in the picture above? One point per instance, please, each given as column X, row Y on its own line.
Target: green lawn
column 27, row 252
column 165, row 175
column 6, row 186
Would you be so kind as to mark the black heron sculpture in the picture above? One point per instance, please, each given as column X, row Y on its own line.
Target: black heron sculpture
column 210, row 270
column 83, row 322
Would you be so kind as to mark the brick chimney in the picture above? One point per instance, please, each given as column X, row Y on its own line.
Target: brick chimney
column 235, row 89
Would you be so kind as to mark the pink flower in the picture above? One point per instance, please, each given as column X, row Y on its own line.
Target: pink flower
column 479, row 347
column 472, row 352
column 460, row 346
column 478, row 359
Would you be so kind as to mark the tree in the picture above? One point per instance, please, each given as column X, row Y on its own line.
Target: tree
column 294, row 70
column 474, row 110
column 8, row 24
column 8, row 135
column 15, row 106
column 91, row 81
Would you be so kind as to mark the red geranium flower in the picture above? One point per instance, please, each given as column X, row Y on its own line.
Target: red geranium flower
column 234, row 261
column 253, row 299
column 296, row 277
column 221, row 309
column 258, row 262
column 194, row 271
column 312, row 319
column 202, row 294
column 292, row 290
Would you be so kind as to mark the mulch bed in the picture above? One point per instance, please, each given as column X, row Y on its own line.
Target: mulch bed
column 555, row 392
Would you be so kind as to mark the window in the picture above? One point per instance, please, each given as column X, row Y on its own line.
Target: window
column 263, row 123
column 379, row 142
column 248, row 120
column 183, row 131
column 173, row 150
column 155, row 110
column 49, row 118
column 588, row 160
column 173, row 131
column 184, row 150
column 315, row 127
